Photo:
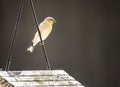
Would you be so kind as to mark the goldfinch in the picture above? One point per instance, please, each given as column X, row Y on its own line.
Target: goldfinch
column 45, row 28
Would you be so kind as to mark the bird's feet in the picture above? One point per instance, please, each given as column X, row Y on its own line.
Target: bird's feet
column 42, row 43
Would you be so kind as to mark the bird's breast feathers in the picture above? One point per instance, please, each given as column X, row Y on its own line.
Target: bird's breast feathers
column 45, row 30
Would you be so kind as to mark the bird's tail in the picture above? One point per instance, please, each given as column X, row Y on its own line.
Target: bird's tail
column 30, row 48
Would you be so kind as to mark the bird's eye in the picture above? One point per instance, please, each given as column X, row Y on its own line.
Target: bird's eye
column 51, row 19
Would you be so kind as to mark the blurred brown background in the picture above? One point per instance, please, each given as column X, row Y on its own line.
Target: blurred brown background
column 85, row 41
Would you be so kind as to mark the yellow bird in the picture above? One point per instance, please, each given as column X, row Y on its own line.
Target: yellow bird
column 45, row 28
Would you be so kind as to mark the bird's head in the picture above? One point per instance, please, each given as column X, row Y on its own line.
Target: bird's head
column 50, row 20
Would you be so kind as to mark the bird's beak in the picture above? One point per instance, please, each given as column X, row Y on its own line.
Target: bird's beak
column 54, row 21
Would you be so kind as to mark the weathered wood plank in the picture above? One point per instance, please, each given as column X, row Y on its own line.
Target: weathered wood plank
column 48, row 83
column 43, row 78
column 39, row 78
column 34, row 72
column 44, row 72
